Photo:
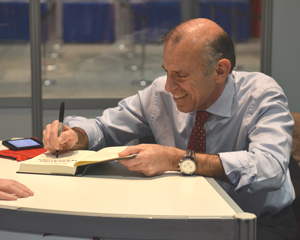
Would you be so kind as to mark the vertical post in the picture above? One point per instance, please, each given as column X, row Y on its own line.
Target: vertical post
column 189, row 9
column 266, row 36
column 234, row 18
column 36, row 73
column 246, row 226
column 143, row 55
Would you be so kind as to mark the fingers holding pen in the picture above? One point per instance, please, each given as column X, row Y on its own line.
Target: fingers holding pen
column 67, row 139
column 53, row 142
column 50, row 137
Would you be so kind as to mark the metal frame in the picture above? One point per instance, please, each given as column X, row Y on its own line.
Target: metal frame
column 36, row 67
column 121, row 227
column 72, row 103
column 266, row 36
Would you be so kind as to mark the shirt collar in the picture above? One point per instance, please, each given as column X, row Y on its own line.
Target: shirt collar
column 222, row 107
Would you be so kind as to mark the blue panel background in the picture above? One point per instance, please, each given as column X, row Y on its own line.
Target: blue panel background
column 14, row 20
column 161, row 17
column 88, row 22
column 223, row 16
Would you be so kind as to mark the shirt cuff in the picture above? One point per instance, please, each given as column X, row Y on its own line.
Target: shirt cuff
column 239, row 170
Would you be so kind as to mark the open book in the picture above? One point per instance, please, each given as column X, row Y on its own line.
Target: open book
column 70, row 163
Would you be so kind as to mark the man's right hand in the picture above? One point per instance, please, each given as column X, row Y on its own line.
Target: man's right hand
column 66, row 141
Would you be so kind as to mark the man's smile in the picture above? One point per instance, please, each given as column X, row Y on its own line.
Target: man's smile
column 179, row 96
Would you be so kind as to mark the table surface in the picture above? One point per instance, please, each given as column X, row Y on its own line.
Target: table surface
column 111, row 190
column 114, row 203
column 168, row 196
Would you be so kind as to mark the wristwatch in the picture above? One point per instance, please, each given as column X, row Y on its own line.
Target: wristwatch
column 188, row 164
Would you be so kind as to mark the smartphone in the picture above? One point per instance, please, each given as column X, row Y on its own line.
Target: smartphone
column 22, row 144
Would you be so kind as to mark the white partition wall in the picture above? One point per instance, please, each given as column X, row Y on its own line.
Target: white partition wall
column 285, row 52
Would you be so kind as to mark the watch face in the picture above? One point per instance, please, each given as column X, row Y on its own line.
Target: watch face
column 188, row 166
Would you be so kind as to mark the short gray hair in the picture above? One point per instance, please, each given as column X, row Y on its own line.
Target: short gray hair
column 217, row 48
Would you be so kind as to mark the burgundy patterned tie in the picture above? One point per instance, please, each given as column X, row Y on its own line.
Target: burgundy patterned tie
column 197, row 141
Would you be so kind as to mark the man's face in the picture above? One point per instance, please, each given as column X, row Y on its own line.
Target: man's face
column 186, row 80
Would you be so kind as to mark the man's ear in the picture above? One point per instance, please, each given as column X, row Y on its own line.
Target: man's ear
column 223, row 69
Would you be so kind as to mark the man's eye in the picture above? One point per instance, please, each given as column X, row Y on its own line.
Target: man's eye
column 182, row 75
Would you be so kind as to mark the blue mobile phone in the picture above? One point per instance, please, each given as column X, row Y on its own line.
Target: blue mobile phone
column 22, row 144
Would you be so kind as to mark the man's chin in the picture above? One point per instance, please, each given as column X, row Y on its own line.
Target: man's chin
column 183, row 109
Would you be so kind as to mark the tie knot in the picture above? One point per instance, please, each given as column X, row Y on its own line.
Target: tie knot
column 202, row 116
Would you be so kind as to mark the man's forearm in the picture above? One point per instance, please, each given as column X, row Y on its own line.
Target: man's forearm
column 83, row 141
column 210, row 165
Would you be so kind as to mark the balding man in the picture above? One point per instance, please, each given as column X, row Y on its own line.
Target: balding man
column 248, row 129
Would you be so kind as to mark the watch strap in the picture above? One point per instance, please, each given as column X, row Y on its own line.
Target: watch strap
column 189, row 154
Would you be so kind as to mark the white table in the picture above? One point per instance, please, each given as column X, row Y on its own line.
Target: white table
column 113, row 203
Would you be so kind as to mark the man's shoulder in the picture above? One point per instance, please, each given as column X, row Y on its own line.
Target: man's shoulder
column 254, row 82
column 158, row 88
column 159, row 83
column 155, row 92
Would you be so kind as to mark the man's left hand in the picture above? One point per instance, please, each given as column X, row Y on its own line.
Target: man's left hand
column 152, row 159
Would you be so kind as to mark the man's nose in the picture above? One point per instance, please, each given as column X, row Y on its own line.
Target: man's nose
column 171, row 85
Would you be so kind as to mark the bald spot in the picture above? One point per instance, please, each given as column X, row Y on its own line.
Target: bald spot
column 190, row 36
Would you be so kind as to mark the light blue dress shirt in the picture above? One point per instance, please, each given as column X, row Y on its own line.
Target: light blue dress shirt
column 250, row 128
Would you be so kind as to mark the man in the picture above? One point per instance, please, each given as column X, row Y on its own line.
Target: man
column 11, row 190
column 248, row 132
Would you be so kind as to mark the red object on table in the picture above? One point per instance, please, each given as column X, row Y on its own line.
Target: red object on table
column 22, row 154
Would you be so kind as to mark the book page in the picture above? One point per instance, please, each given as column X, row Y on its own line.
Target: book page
column 105, row 154
column 66, row 158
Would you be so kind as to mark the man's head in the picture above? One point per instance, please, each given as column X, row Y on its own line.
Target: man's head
column 198, row 56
